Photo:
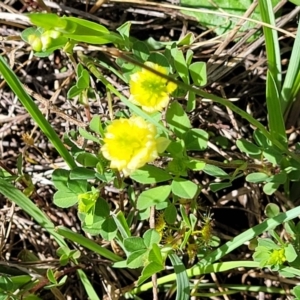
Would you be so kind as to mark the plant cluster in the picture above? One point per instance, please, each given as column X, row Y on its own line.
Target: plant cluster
column 152, row 143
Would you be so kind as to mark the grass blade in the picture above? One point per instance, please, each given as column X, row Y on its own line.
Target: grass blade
column 275, row 115
column 89, row 244
column 211, row 268
column 271, row 40
column 16, row 86
column 274, row 78
column 15, row 195
column 87, row 285
column 182, row 280
column 291, row 84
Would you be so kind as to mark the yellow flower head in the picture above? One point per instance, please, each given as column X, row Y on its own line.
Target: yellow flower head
column 277, row 257
column 129, row 144
column 150, row 91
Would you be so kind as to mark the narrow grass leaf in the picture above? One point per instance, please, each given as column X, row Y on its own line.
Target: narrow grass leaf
column 182, row 280
column 291, row 84
column 275, row 115
column 87, row 243
column 87, row 285
column 210, row 268
column 274, row 77
column 15, row 195
column 271, row 41
column 240, row 287
column 122, row 224
column 16, row 86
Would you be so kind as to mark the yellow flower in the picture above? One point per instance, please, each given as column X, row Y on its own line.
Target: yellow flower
column 150, row 91
column 129, row 144
column 277, row 257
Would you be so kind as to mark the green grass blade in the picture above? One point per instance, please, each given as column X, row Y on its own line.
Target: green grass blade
column 210, row 268
column 248, row 117
column 240, row 287
column 274, row 78
column 16, row 86
column 182, row 280
column 15, row 195
column 275, row 115
column 200, row 270
column 291, row 84
column 87, row 285
column 89, row 244
column 271, row 41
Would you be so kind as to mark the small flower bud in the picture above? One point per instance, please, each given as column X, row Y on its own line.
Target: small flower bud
column 35, row 42
column 46, row 42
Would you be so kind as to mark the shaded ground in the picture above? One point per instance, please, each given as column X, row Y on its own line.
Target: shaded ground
column 234, row 210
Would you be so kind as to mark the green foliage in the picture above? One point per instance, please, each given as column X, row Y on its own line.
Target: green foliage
column 296, row 289
column 182, row 279
column 215, row 15
column 291, row 84
column 273, row 252
column 82, row 84
column 184, row 188
column 269, row 254
column 150, row 175
column 43, row 41
column 143, row 252
column 155, row 196
column 167, row 192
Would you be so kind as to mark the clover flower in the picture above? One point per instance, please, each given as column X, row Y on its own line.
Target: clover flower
column 277, row 257
column 149, row 90
column 130, row 143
